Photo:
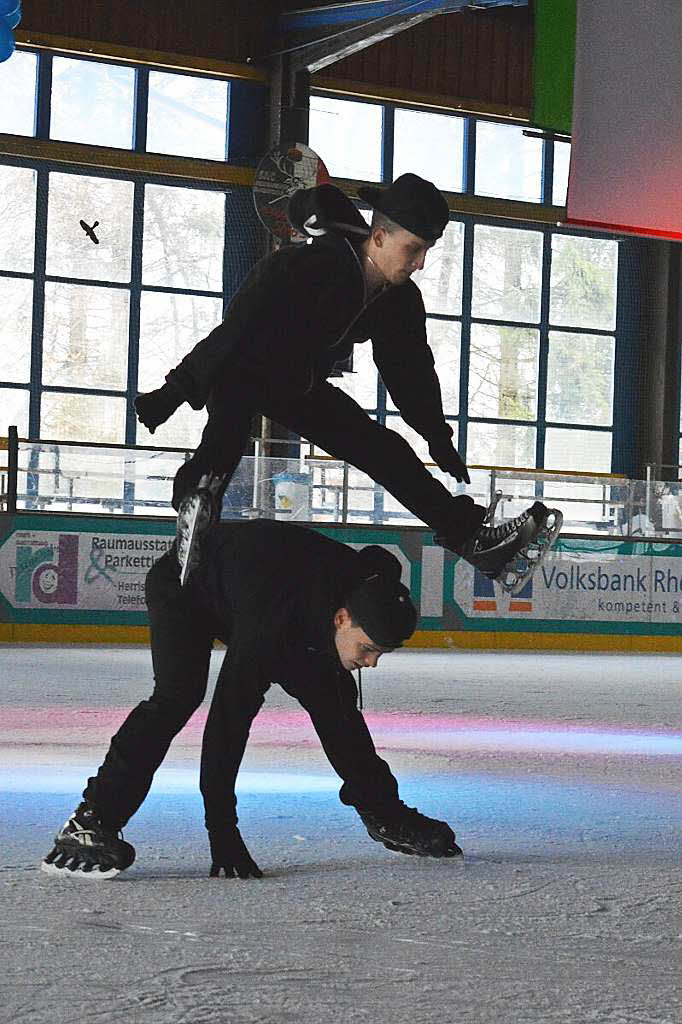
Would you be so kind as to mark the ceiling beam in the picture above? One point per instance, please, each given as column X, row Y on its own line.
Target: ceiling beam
column 318, row 36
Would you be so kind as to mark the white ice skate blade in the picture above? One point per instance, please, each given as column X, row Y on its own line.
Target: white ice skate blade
column 91, row 876
column 189, row 539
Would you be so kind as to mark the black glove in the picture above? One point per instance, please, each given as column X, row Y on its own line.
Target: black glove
column 413, row 833
column 155, row 407
column 229, row 853
column 447, row 458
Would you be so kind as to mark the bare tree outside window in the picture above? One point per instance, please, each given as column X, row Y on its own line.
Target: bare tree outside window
column 184, row 236
column 17, row 218
column 103, row 204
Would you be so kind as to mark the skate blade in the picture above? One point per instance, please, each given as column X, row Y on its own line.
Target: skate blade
column 490, row 511
column 190, row 533
column 512, row 580
column 96, row 875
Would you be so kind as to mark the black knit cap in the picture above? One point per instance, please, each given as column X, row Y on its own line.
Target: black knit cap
column 383, row 609
column 412, row 202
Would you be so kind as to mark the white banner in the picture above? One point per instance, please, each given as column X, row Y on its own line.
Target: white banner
column 626, row 154
column 582, row 588
column 78, row 570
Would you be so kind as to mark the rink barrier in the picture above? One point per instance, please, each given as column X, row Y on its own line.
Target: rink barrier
column 80, row 579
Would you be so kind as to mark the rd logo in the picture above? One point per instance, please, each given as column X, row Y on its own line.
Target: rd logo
column 44, row 576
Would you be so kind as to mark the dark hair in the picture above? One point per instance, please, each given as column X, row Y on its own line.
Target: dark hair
column 380, row 220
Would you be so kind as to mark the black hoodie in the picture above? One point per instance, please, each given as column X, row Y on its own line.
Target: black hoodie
column 272, row 589
column 299, row 311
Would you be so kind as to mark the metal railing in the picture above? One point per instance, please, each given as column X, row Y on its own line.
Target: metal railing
column 73, row 477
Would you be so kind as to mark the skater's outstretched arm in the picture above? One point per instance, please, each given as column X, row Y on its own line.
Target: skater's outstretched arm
column 238, row 696
column 269, row 331
column 330, row 698
column 192, row 379
column 368, row 784
column 405, row 361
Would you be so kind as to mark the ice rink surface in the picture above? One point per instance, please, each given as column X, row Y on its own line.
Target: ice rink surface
column 560, row 774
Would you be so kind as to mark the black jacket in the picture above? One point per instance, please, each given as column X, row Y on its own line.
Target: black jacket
column 299, row 311
column 271, row 589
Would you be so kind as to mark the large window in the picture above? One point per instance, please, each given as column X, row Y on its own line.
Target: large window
column 521, row 317
column 109, row 103
column 108, row 278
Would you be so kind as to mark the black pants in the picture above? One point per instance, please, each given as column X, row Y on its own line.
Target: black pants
column 334, row 421
column 181, row 640
column 182, row 632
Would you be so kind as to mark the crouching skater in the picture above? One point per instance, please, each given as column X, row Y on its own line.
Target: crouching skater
column 295, row 608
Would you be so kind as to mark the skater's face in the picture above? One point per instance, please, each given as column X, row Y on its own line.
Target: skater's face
column 397, row 254
column 354, row 647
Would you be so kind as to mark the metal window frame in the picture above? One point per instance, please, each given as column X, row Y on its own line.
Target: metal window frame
column 134, row 286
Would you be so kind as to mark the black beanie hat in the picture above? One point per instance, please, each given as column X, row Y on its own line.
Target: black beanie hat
column 377, row 561
column 412, row 202
column 383, row 609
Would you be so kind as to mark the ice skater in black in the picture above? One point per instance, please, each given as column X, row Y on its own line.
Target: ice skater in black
column 293, row 607
column 300, row 311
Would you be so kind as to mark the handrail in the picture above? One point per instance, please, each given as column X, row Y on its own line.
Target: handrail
column 12, row 468
column 73, row 476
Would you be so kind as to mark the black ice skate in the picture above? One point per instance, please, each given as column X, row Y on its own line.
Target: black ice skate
column 198, row 510
column 512, row 551
column 413, row 833
column 85, row 848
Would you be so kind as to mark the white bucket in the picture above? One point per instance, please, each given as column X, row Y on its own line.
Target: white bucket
column 292, row 496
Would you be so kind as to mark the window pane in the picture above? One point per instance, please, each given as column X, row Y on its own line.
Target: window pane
column 562, row 159
column 361, row 384
column 440, row 281
column 507, row 274
column 580, row 378
column 14, row 411
column 187, row 116
column 82, row 418
column 103, row 204
column 18, row 77
column 503, row 374
column 347, row 136
column 584, row 282
column 445, row 342
column 16, row 309
column 184, row 238
column 585, row 451
column 170, row 325
column 17, row 218
column 496, row 444
column 508, row 163
column 92, row 103
column 85, row 342
column 431, row 145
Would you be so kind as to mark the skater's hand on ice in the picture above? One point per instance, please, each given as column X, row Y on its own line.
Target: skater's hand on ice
column 229, row 854
column 447, row 458
column 155, row 407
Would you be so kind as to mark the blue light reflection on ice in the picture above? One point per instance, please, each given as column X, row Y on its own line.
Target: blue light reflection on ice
column 471, row 801
column 71, row 779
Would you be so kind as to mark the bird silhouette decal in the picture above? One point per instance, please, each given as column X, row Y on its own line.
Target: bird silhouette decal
column 90, row 231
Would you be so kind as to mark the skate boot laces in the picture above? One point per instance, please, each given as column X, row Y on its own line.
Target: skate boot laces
column 491, row 536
